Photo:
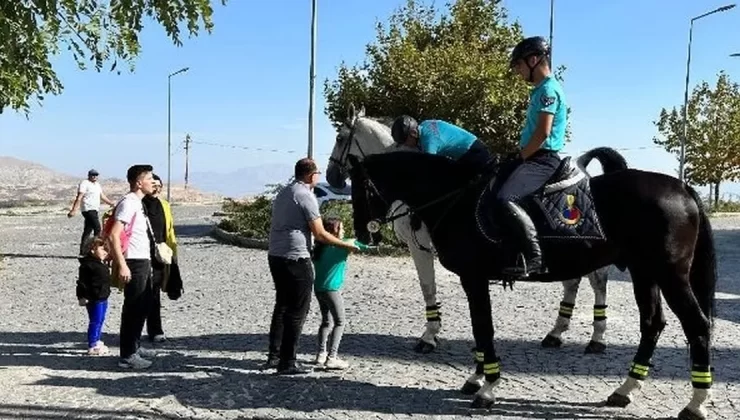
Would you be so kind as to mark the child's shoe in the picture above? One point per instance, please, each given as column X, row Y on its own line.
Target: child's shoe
column 320, row 358
column 335, row 363
column 99, row 349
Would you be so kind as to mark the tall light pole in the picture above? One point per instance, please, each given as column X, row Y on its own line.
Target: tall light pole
column 552, row 24
column 312, row 79
column 169, row 127
column 682, row 155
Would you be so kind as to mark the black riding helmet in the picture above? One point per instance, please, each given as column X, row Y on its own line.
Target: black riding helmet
column 402, row 127
column 528, row 47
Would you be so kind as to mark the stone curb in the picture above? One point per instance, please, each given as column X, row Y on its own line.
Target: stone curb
column 237, row 240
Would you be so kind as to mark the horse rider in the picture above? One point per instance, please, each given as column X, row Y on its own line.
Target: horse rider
column 536, row 161
column 439, row 137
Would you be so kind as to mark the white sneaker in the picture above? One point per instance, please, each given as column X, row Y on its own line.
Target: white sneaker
column 99, row 349
column 134, row 362
column 320, row 358
column 143, row 352
column 160, row 338
column 335, row 363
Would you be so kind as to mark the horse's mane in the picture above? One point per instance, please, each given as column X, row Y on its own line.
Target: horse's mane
column 441, row 170
column 377, row 127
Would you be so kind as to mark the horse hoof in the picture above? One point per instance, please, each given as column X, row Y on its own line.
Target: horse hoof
column 687, row 414
column 479, row 402
column 550, row 342
column 594, row 347
column 469, row 388
column 617, row 400
column 424, row 348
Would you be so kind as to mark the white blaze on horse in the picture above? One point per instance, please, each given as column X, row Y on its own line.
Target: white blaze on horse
column 361, row 136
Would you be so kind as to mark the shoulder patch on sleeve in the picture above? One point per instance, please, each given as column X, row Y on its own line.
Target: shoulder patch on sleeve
column 547, row 100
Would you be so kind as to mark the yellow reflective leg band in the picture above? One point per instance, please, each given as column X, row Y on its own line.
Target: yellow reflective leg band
column 566, row 309
column 701, row 377
column 638, row 371
column 479, row 357
column 599, row 312
column 492, row 368
column 433, row 313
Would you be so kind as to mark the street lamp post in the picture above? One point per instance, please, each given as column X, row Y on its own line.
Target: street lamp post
column 552, row 24
column 312, row 79
column 682, row 156
column 169, row 127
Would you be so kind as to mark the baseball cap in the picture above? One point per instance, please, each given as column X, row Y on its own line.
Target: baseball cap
column 92, row 172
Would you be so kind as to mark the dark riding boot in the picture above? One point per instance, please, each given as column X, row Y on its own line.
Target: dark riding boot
column 522, row 229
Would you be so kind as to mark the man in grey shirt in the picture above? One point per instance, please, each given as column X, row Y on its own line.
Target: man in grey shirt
column 295, row 217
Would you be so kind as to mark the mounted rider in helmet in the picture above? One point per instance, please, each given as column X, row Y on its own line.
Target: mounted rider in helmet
column 536, row 161
column 439, row 137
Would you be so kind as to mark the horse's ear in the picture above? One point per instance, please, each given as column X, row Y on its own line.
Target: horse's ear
column 351, row 112
column 361, row 113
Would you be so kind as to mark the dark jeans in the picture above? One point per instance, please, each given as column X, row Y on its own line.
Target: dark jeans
column 293, row 284
column 136, row 302
column 92, row 225
column 529, row 176
column 154, row 319
column 477, row 157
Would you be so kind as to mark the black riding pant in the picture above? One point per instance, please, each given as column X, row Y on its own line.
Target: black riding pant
column 529, row 176
column 477, row 157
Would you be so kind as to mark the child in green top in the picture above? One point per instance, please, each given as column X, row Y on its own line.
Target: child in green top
column 330, row 263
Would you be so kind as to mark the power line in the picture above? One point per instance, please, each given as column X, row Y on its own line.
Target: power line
column 256, row 149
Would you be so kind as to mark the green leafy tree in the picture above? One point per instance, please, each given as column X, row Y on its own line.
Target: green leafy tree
column 713, row 134
column 96, row 32
column 454, row 68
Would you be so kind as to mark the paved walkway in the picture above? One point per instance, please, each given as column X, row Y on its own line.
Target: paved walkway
column 210, row 368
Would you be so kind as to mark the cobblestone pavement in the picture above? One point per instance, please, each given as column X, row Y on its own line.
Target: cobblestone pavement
column 210, row 367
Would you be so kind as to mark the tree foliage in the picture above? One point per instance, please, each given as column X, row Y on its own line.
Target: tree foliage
column 96, row 32
column 454, row 68
column 713, row 133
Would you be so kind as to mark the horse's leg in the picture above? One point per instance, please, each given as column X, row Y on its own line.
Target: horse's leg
column 598, row 280
column 488, row 372
column 562, row 322
column 652, row 322
column 696, row 326
column 424, row 263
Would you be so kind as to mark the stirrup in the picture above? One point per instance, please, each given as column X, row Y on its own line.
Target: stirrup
column 522, row 269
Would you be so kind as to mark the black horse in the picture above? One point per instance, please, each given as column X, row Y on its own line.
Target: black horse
column 650, row 223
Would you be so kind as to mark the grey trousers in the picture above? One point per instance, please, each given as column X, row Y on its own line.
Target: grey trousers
column 331, row 305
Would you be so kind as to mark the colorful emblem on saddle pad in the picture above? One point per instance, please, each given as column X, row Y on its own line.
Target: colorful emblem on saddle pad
column 571, row 215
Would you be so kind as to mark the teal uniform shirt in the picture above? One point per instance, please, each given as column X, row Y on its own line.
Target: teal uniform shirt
column 547, row 96
column 330, row 267
column 439, row 137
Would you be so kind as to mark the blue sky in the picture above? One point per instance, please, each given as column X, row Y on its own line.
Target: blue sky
column 248, row 83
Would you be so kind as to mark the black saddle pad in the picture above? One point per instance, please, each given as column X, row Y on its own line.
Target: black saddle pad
column 560, row 211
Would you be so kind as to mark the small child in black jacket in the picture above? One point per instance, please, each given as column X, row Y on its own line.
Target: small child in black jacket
column 93, row 290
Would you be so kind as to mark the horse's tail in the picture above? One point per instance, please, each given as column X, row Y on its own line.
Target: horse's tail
column 610, row 159
column 703, row 274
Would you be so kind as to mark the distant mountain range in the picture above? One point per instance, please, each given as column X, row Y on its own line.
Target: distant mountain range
column 243, row 182
column 24, row 182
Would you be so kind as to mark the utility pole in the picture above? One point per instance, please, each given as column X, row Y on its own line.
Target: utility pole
column 187, row 158
column 312, row 79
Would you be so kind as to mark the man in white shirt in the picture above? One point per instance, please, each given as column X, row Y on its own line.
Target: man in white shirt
column 89, row 194
column 134, row 265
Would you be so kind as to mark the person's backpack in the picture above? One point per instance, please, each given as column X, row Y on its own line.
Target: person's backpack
column 108, row 221
column 125, row 237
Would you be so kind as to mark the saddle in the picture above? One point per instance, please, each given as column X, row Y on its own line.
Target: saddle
column 562, row 209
